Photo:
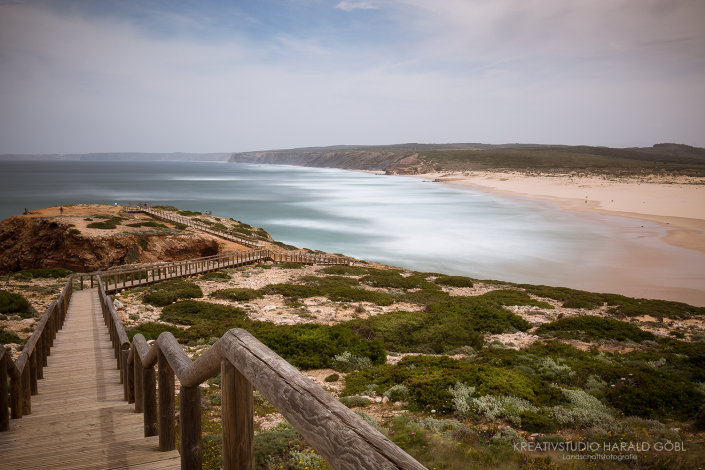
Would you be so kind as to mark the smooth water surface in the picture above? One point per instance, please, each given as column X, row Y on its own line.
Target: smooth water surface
column 399, row 221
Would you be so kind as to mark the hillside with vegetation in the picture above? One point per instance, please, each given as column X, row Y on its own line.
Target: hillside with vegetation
column 457, row 371
column 661, row 159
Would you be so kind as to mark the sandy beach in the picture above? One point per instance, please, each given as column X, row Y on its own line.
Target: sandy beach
column 676, row 203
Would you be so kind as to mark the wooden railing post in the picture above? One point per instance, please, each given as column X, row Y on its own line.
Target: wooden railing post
column 26, row 391
column 167, row 403
column 149, row 396
column 4, row 411
column 139, row 388
column 32, row 364
column 124, row 374
column 130, row 381
column 16, row 398
column 237, row 410
column 190, row 417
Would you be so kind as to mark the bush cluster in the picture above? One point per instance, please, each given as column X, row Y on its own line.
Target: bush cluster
column 109, row 224
column 395, row 280
column 46, row 273
column 10, row 337
column 454, row 281
column 419, row 332
column 595, row 328
column 308, row 346
column 14, row 303
column 484, row 313
column 150, row 223
column 238, row 294
column 168, row 292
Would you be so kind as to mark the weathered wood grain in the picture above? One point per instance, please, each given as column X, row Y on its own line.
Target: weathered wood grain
column 338, row 434
column 237, row 410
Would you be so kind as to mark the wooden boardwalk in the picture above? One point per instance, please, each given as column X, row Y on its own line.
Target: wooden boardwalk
column 79, row 419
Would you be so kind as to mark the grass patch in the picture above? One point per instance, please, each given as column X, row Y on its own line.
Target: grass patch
column 424, row 297
column 237, row 294
column 454, row 281
column 14, row 303
column 345, row 289
column 291, row 266
column 571, row 298
column 632, row 307
column 595, row 328
column 292, row 291
column 342, row 270
column 189, row 213
column 168, row 292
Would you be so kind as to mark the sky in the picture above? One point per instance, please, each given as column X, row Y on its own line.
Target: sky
column 231, row 76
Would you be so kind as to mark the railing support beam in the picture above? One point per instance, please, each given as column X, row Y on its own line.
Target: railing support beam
column 167, row 405
column 190, row 418
column 237, row 410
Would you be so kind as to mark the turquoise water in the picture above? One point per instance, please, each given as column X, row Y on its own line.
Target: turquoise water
column 399, row 221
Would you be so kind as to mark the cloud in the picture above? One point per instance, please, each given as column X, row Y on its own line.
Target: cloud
column 350, row 5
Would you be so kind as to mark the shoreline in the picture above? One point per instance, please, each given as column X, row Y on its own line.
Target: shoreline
column 685, row 230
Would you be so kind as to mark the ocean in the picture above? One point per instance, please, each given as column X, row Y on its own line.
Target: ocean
column 401, row 221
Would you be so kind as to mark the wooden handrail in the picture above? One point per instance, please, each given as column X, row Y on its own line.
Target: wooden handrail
column 339, row 435
column 29, row 366
column 165, row 215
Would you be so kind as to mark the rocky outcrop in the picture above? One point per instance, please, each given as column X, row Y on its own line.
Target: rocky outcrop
column 28, row 242
column 345, row 160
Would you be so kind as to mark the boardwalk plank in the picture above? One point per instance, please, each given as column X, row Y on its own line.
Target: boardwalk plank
column 79, row 419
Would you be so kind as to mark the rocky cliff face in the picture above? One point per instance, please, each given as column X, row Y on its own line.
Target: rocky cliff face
column 346, row 160
column 28, row 242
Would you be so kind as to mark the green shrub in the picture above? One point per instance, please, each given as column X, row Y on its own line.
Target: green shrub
column 532, row 421
column 215, row 277
column 237, row 294
column 10, row 337
column 454, row 281
column 14, row 303
column 513, row 297
column 343, row 270
column 189, row 213
column 397, row 281
column 166, row 208
column 277, row 442
column 355, row 401
column 571, row 298
column 109, row 224
column 151, row 330
column 74, row 231
column 347, row 362
column 168, row 292
column 332, row 378
column 482, row 312
column 597, row 328
column 47, row 273
column 192, row 312
column 429, row 379
column 150, row 223
column 660, row 308
column 264, row 266
column 311, row 346
column 361, row 295
column 424, row 297
column 419, row 332
column 290, row 290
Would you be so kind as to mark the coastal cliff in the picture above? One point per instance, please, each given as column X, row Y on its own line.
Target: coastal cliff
column 28, row 242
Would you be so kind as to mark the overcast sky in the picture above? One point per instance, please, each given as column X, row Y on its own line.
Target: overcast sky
column 226, row 76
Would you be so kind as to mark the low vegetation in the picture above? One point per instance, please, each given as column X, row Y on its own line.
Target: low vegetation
column 11, row 303
column 168, row 292
column 593, row 327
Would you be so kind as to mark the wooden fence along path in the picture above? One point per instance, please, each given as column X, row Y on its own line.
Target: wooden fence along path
column 79, row 418
column 172, row 217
